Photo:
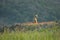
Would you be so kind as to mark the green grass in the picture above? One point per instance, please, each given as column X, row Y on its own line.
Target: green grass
column 43, row 34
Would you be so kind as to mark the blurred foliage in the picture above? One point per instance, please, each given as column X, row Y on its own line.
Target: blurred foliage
column 22, row 27
column 12, row 11
column 51, row 33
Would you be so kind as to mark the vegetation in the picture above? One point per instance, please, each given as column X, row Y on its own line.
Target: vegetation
column 22, row 11
column 48, row 33
column 12, row 11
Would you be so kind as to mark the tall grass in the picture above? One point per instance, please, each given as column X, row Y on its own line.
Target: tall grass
column 42, row 34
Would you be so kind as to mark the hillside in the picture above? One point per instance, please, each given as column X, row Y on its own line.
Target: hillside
column 15, row 11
